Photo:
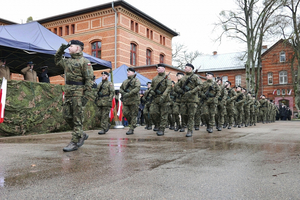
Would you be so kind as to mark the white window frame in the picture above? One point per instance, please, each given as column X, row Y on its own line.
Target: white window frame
column 283, row 79
column 238, row 80
column 224, row 79
column 270, row 77
column 282, row 56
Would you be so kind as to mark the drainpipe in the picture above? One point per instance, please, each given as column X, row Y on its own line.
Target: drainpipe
column 116, row 21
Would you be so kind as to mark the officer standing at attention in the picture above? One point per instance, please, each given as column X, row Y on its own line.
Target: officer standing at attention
column 4, row 70
column 43, row 77
column 210, row 94
column 188, row 88
column 79, row 74
column 29, row 73
column 130, row 89
column 104, row 97
column 160, row 90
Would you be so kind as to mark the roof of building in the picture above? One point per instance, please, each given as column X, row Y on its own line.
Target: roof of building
column 109, row 5
column 6, row 21
column 220, row 62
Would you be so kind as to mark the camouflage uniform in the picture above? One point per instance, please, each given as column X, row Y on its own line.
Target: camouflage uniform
column 131, row 100
column 188, row 87
column 230, row 107
column 246, row 116
column 146, row 99
column 256, row 106
column 161, row 99
column 221, row 108
column 171, row 117
column 79, row 74
column 198, row 112
column 176, row 110
column 240, row 100
column 210, row 93
column 104, row 97
column 263, row 109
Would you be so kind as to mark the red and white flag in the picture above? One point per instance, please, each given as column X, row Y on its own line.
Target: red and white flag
column 111, row 113
column 290, row 92
column 63, row 96
column 274, row 91
column 3, row 99
column 120, row 108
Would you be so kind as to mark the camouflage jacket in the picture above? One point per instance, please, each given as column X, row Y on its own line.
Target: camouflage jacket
column 105, row 93
column 223, row 96
column 247, row 101
column 188, row 87
column 147, row 98
column 131, row 96
column 263, row 104
column 77, row 69
column 162, row 93
column 178, row 98
column 210, row 91
column 173, row 95
column 231, row 95
column 240, row 100
column 256, row 105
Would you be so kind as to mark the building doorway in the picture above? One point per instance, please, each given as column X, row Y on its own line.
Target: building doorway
column 285, row 102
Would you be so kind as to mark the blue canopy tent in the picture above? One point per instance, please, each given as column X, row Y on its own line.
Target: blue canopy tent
column 20, row 43
column 120, row 75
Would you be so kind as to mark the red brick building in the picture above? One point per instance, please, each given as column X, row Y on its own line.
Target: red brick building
column 140, row 40
column 5, row 22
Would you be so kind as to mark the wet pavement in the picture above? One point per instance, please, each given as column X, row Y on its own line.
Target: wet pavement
column 260, row 162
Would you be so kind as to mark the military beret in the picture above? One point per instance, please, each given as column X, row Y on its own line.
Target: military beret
column 77, row 42
column 239, row 87
column 218, row 78
column 262, row 95
column 30, row 63
column 249, row 92
column 131, row 69
column 44, row 67
column 160, row 65
column 209, row 73
column 106, row 73
column 179, row 73
column 190, row 65
column 173, row 82
column 148, row 83
column 228, row 82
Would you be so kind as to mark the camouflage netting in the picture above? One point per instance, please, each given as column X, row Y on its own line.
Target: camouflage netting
column 36, row 108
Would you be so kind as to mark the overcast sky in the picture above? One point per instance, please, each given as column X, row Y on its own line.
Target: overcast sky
column 193, row 19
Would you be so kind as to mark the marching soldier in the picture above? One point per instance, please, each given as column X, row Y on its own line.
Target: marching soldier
column 146, row 99
column 263, row 108
column 104, row 97
column 247, row 107
column 130, row 89
column 210, row 92
column 160, row 90
column 230, row 107
column 256, row 106
column 171, row 117
column 198, row 111
column 188, row 88
column 240, row 100
column 221, row 106
column 177, row 105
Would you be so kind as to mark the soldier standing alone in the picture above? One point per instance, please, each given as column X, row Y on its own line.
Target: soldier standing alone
column 130, row 89
column 104, row 97
column 79, row 74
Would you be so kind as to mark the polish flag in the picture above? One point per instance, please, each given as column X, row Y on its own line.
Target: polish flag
column 120, row 108
column 3, row 99
column 274, row 91
column 111, row 113
column 290, row 92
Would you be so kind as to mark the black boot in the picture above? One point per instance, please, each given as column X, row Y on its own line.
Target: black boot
column 197, row 128
column 171, row 128
column 155, row 128
column 130, row 132
column 149, row 127
column 146, row 127
column 239, row 126
column 189, row 133
column 225, row 125
column 72, row 146
column 108, row 127
column 182, row 129
column 229, row 127
column 219, row 128
column 160, row 133
column 81, row 140
column 210, row 130
column 102, row 132
column 176, row 128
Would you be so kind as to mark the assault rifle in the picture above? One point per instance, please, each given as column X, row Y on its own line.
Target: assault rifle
column 127, row 86
column 157, row 92
column 239, row 98
column 208, row 91
column 185, row 88
column 99, row 94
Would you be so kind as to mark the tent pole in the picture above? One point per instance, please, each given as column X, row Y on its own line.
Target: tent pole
column 116, row 21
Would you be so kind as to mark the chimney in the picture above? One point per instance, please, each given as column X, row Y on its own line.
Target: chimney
column 264, row 46
column 215, row 53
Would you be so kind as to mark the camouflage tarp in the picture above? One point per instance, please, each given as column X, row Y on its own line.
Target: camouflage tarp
column 36, row 108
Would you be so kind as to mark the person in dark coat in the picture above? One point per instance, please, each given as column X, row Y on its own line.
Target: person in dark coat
column 282, row 112
column 43, row 77
column 288, row 113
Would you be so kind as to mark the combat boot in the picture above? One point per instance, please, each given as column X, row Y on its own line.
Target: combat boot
column 182, row 129
column 197, row 128
column 155, row 128
column 146, row 127
column 254, row 124
column 108, row 127
column 72, row 146
column 189, row 133
column 160, row 133
column 225, row 125
column 210, row 130
column 176, row 128
column 101, row 132
column 239, row 126
column 81, row 140
column 229, row 127
column 149, row 127
column 171, row 128
column 219, row 128
column 130, row 132
column 235, row 126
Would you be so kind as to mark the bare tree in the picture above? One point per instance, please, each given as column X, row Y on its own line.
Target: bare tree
column 181, row 56
column 29, row 19
column 250, row 24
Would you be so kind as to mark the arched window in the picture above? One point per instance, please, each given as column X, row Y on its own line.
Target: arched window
column 282, row 56
column 96, row 49
column 161, row 58
column 283, row 77
column 133, row 54
column 238, row 80
column 148, row 57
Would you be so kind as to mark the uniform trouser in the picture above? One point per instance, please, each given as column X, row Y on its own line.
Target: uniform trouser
column 171, row 120
column 189, row 110
column 184, row 116
column 239, row 114
column 246, row 114
column 159, row 115
column 208, row 113
column 252, row 115
column 220, row 113
column 147, row 116
column 176, row 113
column 198, row 115
column 73, row 114
column 104, row 116
column 264, row 113
column 130, row 112
column 230, row 113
